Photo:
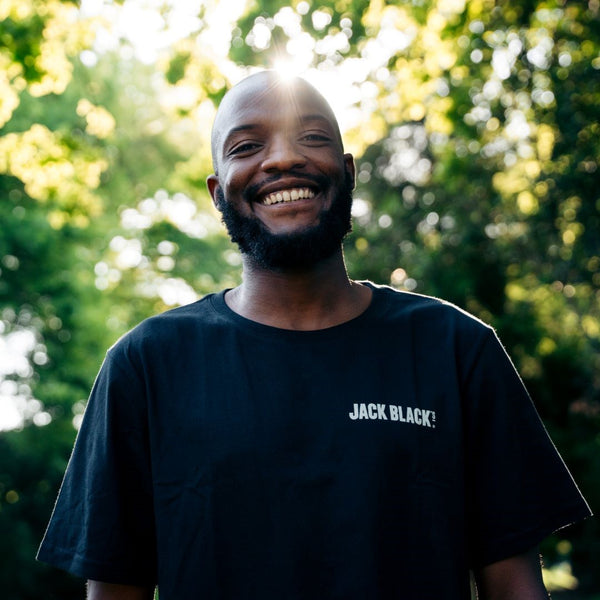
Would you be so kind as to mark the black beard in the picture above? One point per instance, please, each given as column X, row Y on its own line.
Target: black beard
column 299, row 250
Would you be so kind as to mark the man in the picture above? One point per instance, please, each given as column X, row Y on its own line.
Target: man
column 304, row 435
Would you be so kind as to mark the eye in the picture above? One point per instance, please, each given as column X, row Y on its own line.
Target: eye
column 315, row 137
column 243, row 148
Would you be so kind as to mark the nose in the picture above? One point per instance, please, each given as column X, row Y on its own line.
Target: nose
column 282, row 155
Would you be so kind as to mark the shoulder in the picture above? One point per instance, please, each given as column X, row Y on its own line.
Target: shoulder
column 164, row 330
column 438, row 331
column 426, row 312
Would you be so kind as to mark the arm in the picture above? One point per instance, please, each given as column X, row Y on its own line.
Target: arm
column 99, row 590
column 515, row 578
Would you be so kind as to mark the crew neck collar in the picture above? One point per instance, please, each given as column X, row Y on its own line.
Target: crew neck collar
column 220, row 305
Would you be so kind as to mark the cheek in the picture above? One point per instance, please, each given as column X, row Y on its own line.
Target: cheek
column 237, row 178
column 235, row 184
column 331, row 164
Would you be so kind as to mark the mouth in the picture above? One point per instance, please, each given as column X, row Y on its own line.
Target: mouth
column 288, row 195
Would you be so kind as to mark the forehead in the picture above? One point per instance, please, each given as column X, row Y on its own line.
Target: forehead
column 264, row 100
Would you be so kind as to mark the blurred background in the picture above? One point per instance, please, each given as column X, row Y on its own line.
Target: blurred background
column 476, row 131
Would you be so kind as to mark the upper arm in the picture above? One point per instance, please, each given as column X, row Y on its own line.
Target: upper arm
column 515, row 578
column 100, row 590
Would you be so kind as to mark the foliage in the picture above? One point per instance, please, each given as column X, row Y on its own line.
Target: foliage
column 475, row 131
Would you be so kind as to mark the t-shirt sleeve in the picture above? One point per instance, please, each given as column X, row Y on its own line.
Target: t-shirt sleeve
column 102, row 527
column 518, row 487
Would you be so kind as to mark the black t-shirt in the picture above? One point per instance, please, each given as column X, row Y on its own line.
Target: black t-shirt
column 381, row 458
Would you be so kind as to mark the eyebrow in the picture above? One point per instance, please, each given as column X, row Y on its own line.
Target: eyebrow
column 331, row 124
column 238, row 129
column 315, row 117
column 234, row 130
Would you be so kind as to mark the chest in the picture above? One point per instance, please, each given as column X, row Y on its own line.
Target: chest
column 239, row 404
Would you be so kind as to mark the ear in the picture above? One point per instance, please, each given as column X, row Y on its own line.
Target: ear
column 212, row 183
column 350, row 167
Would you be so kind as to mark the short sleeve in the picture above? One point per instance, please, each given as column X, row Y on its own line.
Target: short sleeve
column 518, row 488
column 102, row 526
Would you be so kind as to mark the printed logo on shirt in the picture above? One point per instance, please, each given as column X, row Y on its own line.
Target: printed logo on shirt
column 393, row 412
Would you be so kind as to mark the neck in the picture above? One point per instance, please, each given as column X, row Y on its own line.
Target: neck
column 315, row 298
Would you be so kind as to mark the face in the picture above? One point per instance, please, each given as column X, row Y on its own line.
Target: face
column 282, row 182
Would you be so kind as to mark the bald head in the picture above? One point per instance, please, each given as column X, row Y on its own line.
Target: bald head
column 249, row 96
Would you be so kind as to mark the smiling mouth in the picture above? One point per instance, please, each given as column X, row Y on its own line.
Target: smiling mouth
column 289, row 195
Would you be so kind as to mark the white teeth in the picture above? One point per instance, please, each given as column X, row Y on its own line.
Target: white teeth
column 288, row 195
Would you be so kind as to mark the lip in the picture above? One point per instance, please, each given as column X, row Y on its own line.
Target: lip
column 287, row 196
column 282, row 184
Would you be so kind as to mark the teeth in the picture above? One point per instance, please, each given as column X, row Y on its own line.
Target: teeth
column 288, row 195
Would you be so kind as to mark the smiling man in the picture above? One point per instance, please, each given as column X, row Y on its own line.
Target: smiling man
column 305, row 436
column 287, row 221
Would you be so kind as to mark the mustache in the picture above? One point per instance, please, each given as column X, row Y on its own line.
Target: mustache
column 252, row 190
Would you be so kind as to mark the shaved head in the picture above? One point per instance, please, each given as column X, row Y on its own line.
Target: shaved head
column 251, row 91
column 281, row 181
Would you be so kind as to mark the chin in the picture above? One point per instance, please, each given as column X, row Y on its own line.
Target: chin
column 291, row 251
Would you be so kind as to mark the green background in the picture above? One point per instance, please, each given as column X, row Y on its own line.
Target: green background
column 477, row 146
